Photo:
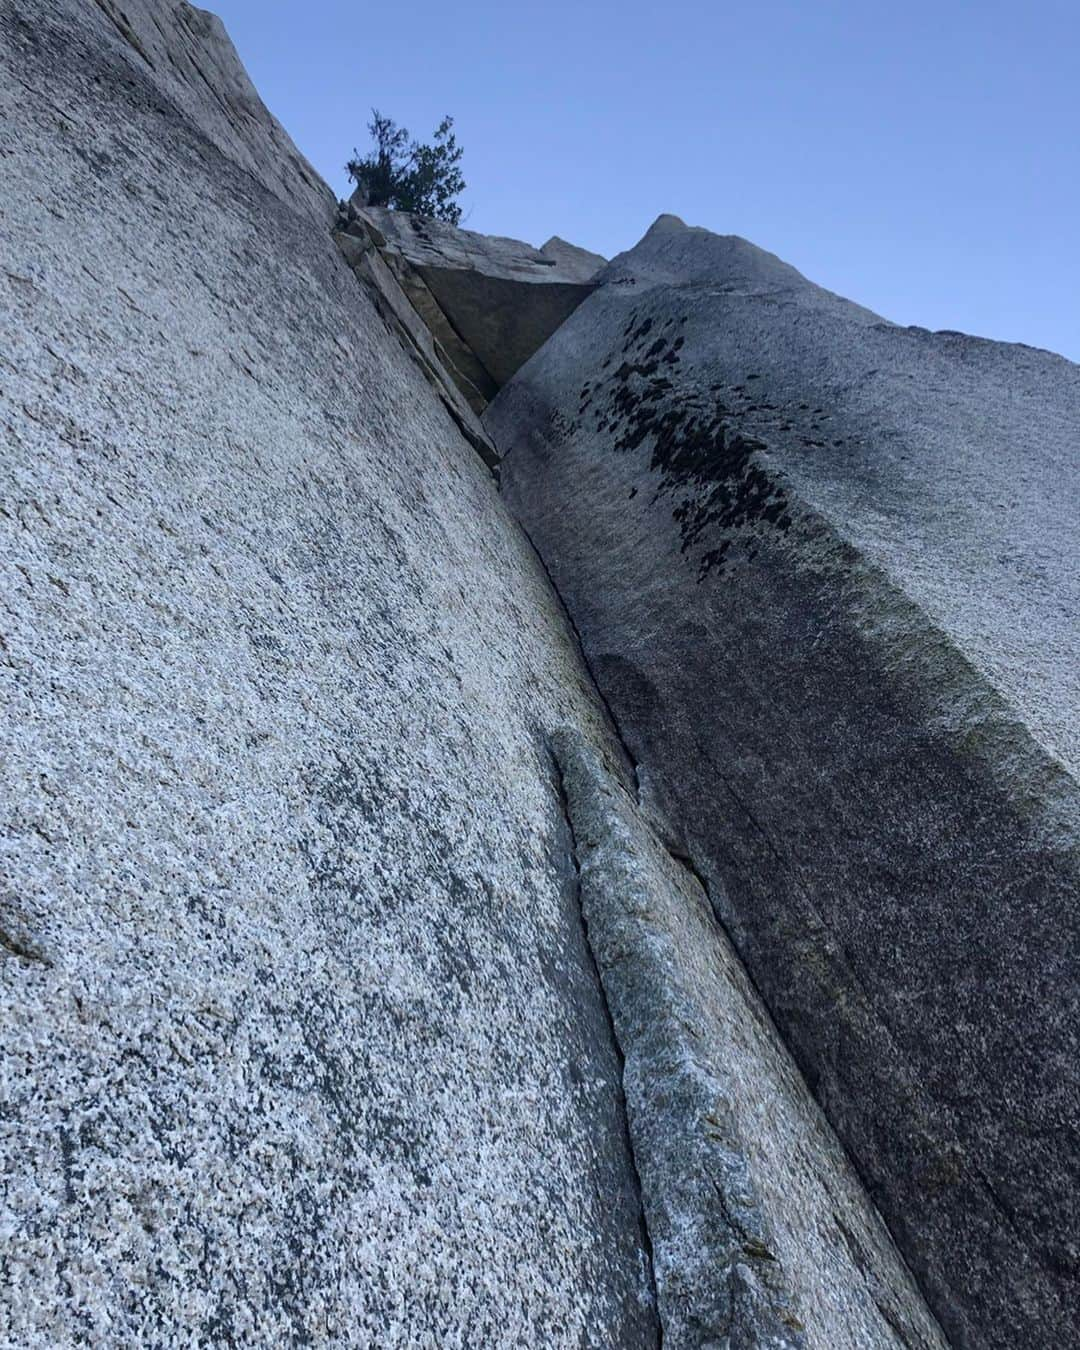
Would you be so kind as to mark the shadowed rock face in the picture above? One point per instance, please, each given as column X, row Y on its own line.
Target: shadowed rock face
column 300, row 1039
column 823, row 569
column 761, row 1234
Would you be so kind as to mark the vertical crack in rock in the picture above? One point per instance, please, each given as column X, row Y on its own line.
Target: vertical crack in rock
column 646, row 1239
column 761, row 1233
column 630, row 760
column 707, row 1289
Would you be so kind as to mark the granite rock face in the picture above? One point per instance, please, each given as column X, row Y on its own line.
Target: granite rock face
column 761, row 1233
column 574, row 263
column 301, row 1039
column 490, row 302
column 195, row 65
column 357, row 986
column 823, row 569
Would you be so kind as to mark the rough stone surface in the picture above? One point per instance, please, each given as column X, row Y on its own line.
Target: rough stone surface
column 195, row 65
column 761, row 1233
column 444, row 359
column 502, row 297
column 824, row 571
column 300, row 1039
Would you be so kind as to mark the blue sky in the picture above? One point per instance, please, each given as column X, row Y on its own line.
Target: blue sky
column 921, row 158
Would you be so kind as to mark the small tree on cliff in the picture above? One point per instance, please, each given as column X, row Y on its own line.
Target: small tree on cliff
column 407, row 176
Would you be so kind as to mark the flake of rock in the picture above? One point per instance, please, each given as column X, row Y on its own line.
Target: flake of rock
column 503, row 298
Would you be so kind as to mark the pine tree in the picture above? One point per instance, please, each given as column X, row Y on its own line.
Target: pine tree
column 405, row 175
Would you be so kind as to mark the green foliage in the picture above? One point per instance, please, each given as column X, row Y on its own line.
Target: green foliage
column 407, row 176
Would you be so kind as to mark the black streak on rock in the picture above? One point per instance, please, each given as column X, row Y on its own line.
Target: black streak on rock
column 697, row 452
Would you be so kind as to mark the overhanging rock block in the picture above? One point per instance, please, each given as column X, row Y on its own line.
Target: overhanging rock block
column 502, row 298
column 441, row 367
column 824, row 571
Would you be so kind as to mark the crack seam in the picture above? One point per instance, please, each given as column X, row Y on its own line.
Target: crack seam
column 647, row 1246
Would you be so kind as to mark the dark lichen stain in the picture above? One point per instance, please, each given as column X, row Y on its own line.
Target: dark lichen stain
column 636, row 336
column 699, row 453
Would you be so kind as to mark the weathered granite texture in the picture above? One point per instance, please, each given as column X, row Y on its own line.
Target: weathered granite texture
column 196, row 66
column 824, row 571
column 574, row 263
column 490, row 302
column 761, row 1233
column 300, row 1039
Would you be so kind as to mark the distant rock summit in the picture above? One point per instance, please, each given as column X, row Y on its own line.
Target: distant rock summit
column 540, row 793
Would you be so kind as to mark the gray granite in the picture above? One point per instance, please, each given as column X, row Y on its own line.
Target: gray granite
column 300, row 1038
column 575, row 263
column 303, row 1039
column 824, row 569
column 195, row 66
column 761, row 1233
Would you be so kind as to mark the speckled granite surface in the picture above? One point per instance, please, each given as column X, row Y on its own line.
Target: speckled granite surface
column 300, row 1041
